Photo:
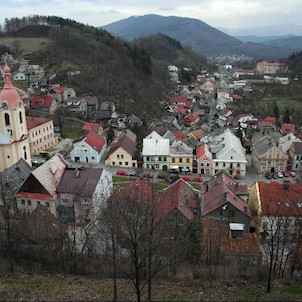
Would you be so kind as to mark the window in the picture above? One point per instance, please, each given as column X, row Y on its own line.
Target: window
column 188, row 160
column 47, row 204
column 113, row 163
column 29, row 202
column 23, row 202
column 165, row 158
column 118, row 156
column 120, row 163
column 231, row 213
column 122, row 156
column 25, row 153
column 173, row 160
column 159, row 158
column 147, row 158
column 92, row 158
column 38, row 202
column 7, row 119
column 223, row 164
column 180, row 160
column 238, row 165
column 216, row 164
column 126, row 163
column 86, row 200
column 65, row 200
column 20, row 117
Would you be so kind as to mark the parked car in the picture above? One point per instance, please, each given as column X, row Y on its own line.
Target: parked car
column 293, row 174
column 197, row 179
column 162, row 176
column 146, row 175
column 268, row 175
column 121, row 173
column 285, row 174
column 133, row 174
column 280, row 174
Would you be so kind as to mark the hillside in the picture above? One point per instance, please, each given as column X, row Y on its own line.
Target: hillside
column 293, row 43
column 194, row 33
column 111, row 69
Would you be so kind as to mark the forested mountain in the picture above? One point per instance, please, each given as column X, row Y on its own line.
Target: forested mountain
column 295, row 63
column 198, row 35
column 110, row 68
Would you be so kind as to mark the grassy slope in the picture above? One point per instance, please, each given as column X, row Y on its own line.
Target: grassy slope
column 26, row 44
column 67, row 287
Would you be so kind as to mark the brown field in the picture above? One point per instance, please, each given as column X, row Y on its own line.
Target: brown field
column 78, row 288
column 26, row 44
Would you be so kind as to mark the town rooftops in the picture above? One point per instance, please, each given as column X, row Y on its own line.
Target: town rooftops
column 41, row 101
column 95, row 141
column 33, row 122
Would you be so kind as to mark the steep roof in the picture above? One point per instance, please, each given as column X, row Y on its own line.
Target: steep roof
column 95, row 141
column 82, row 182
column 125, row 143
column 197, row 133
column 222, row 189
column 33, row 122
column 93, row 127
column 41, row 101
column 181, row 196
column 154, row 144
column 279, row 199
column 203, row 150
column 288, row 128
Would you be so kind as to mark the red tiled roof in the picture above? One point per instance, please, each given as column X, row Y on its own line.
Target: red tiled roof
column 287, row 128
column 271, row 119
column 279, row 199
column 200, row 151
column 138, row 191
column 59, row 89
column 94, row 127
column 222, row 189
column 41, row 101
column 33, row 122
column 181, row 109
column 95, row 141
column 198, row 133
column 265, row 123
column 192, row 117
column 179, row 99
column 179, row 135
column 180, row 195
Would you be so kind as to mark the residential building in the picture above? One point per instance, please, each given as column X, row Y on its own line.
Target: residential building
column 181, row 157
column 156, row 151
column 89, row 150
column 268, row 157
column 41, row 134
column 225, row 199
column 228, row 154
column 266, row 67
column 20, row 76
column 272, row 202
column 286, row 141
column 295, row 156
column 44, row 102
column 77, row 105
column 40, row 187
column 14, row 138
column 35, row 73
column 81, row 195
column 122, row 152
column 287, row 128
column 204, row 160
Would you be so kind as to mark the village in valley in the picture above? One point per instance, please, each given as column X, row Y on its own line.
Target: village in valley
column 203, row 163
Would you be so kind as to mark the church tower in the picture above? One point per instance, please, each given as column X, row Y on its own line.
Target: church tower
column 14, row 140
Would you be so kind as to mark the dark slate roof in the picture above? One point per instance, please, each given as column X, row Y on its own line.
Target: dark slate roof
column 125, row 143
column 82, row 182
column 264, row 145
column 12, row 179
column 298, row 147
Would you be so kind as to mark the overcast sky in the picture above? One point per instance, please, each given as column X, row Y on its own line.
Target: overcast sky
column 217, row 13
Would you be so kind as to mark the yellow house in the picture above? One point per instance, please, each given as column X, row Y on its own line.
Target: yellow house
column 181, row 157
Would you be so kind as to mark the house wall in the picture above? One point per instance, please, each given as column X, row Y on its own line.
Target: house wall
column 255, row 206
column 182, row 161
column 231, row 214
column 121, row 158
column 232, row 166
column 296, row 160
column 204, row 165
column 27, row 205
column 84, row 153
column 273, row 158
column 42, row 138
column 156, row 162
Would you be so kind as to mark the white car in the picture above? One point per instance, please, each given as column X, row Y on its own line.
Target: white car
column 280, row 174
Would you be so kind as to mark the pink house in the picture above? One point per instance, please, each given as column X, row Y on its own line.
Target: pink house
column 204, row 159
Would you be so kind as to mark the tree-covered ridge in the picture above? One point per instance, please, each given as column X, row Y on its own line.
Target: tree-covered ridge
column 295, row 63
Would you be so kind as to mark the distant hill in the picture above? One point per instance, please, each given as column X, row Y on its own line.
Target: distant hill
column 259, row 39
column 198, row 35
column 293, row 43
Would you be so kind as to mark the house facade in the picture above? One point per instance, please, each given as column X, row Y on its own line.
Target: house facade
column 268, row 157
column 90, row 150
column 181, row 157
column 41, row 134
column 156, row 151
column 122, row 153
column 204, row 160
column 295, row 156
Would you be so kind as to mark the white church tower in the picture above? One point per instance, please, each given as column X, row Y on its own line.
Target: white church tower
column 14, row 141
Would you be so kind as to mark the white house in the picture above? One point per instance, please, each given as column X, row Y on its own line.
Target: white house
column 156, row 150
column 90, row 150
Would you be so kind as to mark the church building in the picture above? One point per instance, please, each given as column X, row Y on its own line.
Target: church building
column 14, row 140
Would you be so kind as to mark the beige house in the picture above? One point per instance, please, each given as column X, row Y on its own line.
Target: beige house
column 268, row 157
column 122, row 152
column 14, row 140
column 41, row 134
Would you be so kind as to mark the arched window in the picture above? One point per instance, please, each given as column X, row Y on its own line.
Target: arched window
column 25, row 154
column 20, row 117
column 7, row 119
